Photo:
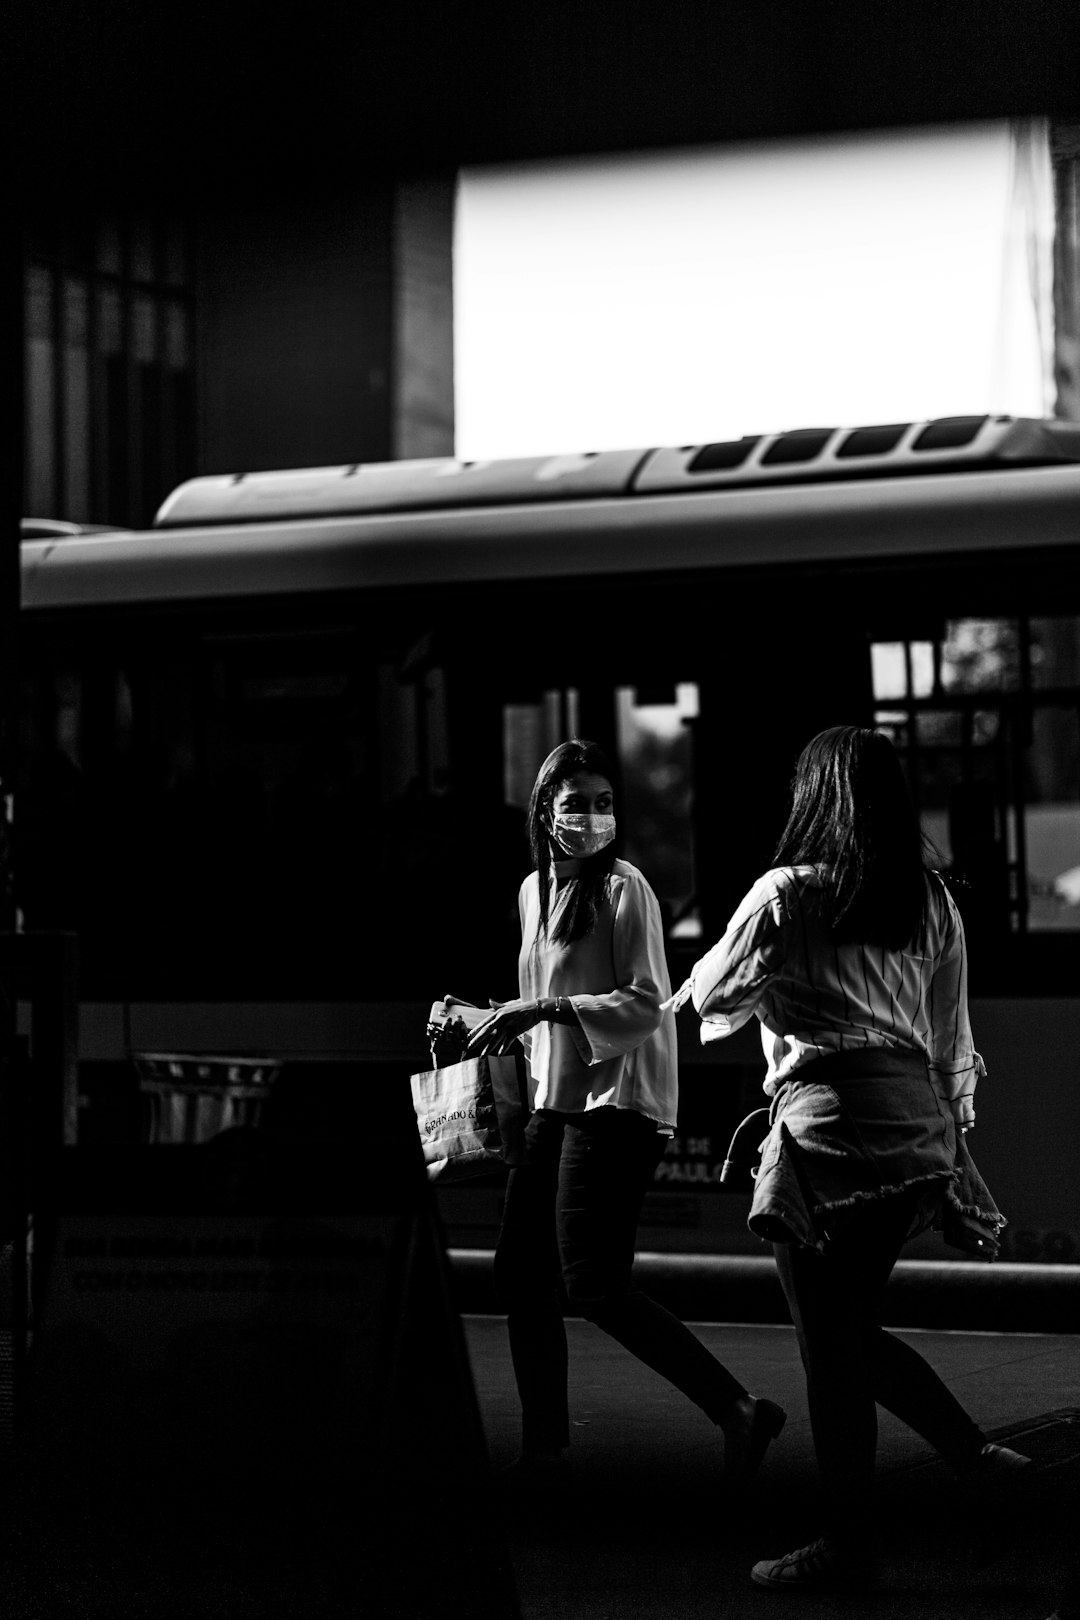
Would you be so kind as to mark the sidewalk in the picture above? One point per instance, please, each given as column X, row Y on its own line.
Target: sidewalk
column 647, row 1532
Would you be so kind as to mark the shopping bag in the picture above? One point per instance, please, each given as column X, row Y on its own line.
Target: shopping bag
column 471, row 1115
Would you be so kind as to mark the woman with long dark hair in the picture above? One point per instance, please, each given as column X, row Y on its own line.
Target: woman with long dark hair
column 850, row 952
column 601, row 1054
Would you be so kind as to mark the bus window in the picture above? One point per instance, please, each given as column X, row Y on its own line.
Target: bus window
column 1051, row 819
column 654, row 747
column 980, row 655
column 530, row 732
column 656, row 755
column 986, row 718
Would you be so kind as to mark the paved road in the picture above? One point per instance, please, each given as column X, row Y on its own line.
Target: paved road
column 645, row 1531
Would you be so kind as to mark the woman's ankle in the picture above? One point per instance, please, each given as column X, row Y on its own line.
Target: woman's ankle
column 739, row 1413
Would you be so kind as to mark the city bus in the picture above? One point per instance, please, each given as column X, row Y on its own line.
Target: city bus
column 277, row 750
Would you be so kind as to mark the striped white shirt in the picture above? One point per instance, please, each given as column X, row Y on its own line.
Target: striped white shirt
column 777, row 962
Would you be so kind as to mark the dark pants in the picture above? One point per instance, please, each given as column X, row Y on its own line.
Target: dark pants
column 568, row 1230
column 851, row 1363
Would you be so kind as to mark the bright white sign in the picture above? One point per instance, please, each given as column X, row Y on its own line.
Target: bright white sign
column 693, row 296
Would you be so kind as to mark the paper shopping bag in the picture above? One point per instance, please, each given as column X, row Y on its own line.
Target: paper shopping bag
column 471, row 1116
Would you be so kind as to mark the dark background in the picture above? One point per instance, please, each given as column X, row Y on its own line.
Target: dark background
column 113, row 98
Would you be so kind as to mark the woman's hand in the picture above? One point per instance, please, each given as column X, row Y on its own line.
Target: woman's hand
column 499, row 1032
column 963, row 1112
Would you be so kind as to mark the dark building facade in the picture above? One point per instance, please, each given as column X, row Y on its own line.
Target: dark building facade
column 110, row 366
column 161, row 346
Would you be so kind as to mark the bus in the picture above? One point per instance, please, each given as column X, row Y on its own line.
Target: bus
column 277, row 749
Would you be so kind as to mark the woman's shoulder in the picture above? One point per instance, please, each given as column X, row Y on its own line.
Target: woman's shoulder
column 625, row 872
column 530, row 885
column 788, row 883
column 627, row 880
column 943, row 909
column 778, row 894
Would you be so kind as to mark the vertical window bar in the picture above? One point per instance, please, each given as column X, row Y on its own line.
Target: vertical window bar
column 132, row 442
column 95, row 436
column 77, row 405
column 967, row 743
column 162, row 424
column 552, row 720
column 183, row 385
column 1024, row 737
column 1020, row 717
column 126, row 444
column 182, row 395
column 40, row 428
column 1024, row 639
column 147, row 335
column 422, row 730
column 59, row 412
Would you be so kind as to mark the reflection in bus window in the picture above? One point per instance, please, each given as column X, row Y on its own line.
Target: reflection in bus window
column 654, row 745
column 980, row 655
column 530, row 732
column 1055, row 653
column 991, row 745
column 656, row 755
column 902, row 669
column 1051, row 820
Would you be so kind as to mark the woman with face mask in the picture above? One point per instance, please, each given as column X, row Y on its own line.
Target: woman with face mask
column 601, row 1055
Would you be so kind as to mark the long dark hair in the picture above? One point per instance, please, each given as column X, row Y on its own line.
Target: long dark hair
column 587, row 891
column 852, row 816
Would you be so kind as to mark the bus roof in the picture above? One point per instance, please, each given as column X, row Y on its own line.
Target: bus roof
column 896, row 449
column 954, row 513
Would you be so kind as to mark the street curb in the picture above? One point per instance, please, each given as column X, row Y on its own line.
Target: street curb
column 962, row 1295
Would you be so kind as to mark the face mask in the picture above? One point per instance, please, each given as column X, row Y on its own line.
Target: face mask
column 582, row 834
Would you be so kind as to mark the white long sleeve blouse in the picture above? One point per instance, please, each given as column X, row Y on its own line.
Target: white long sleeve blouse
column 777, row 961
column 623, row 1055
